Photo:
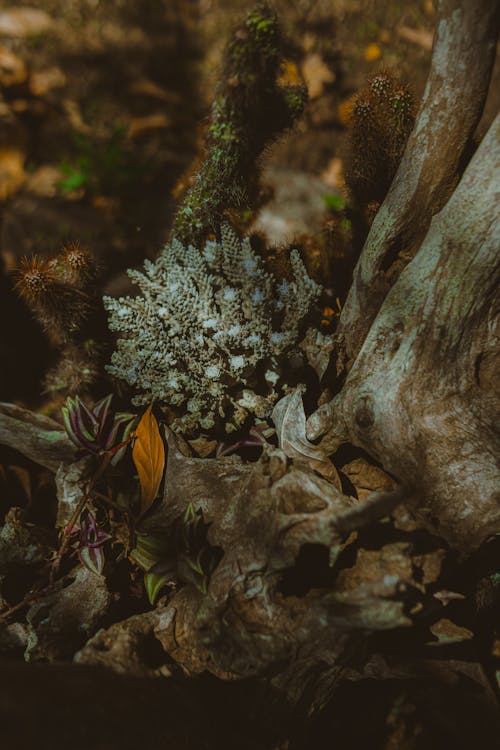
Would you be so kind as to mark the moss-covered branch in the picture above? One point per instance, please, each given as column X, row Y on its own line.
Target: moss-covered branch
column 250, row 110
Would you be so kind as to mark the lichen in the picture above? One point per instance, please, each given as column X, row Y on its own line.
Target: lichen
column 211, row 331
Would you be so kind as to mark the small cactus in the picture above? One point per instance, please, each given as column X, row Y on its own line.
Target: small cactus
column 251, row 108
column 61, row 292
column 382, row 119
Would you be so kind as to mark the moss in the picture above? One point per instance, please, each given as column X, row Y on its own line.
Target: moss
column 250, row 110
column 383, row 118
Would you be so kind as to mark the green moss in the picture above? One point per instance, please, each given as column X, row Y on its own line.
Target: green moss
column 250, row 110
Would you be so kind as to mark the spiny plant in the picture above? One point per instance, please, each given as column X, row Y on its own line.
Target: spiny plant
column 61, row 292
column 250, row 110
column 382, row 119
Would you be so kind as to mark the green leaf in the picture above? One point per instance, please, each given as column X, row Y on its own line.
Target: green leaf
column 149, row 550
column 154, row 583
column 334, row 202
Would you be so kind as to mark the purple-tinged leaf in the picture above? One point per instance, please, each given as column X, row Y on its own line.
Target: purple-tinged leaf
column 101, row 409
column 93, row 558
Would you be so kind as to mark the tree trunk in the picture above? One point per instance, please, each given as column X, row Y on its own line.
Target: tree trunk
column 436, row 153
column 422, row 396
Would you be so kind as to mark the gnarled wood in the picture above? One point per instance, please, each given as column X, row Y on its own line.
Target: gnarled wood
column 462, row 60
column 39, row 438
column 423, row 396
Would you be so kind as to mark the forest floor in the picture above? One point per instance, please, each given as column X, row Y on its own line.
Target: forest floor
column 103, row 107
column 102, row 113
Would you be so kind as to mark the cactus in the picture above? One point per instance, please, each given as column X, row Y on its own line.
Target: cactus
column 382, row 119
column 61, row 292
column 250, row 110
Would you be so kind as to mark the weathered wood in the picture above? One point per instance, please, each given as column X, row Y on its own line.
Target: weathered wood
column 422, row 396
column 462, row 60
column 39, row 438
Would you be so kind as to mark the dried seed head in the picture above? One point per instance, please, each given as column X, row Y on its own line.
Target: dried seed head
column 75, row 373
column 36, row 280
column 362, row 109
column 77, row 264
column 383, row 117
column 60, row 307
column 381, row 84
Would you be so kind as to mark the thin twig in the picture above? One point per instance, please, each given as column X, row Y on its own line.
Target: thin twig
column 76, row 514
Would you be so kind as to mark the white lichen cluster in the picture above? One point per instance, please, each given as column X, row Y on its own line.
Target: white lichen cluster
column 210, row 331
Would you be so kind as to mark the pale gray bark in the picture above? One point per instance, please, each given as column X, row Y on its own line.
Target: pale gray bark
column 422, row 396
column 462, row 60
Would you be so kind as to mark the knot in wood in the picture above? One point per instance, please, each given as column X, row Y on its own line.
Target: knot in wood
column 363, row 413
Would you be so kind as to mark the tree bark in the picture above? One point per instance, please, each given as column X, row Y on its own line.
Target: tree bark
column 422, row 396
column 462, row 60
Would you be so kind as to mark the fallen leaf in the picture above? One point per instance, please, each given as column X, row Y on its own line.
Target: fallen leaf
column 140, row 125
column 44, row 181
column 12, row 174
column 372, row 52
column 316, row 74
column 367, row 478
column 345, row 110
column 290, row 420
column 42, row 81
column 290, row 75
column 447, row 631
column 75, row 118
column 13, row 71
column 146, row 87
column 333, row 175
column 203, row 447
column 148, row 455
column 422, row 37
column 24, row 21
column 445, row 597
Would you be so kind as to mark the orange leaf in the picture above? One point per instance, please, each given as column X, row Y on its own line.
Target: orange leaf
column 148, row 455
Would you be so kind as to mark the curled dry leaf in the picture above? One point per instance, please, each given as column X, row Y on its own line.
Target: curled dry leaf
column 290, row 420
column 148, row 455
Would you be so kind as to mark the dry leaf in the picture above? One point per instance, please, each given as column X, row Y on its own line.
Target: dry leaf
column 140, row 125
column 148, row 455
column 316, row 74
column 290, row 75
column 447, row 631
column 44, row 181
column 13, row 71
column 12, row 174
column 290, row 420
column 333, row 175
column 345, row 110
column 367, row 478
column 146, row 87
column 24, row 21
column 422, row 37
column 42, row 81
column 372, row 52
